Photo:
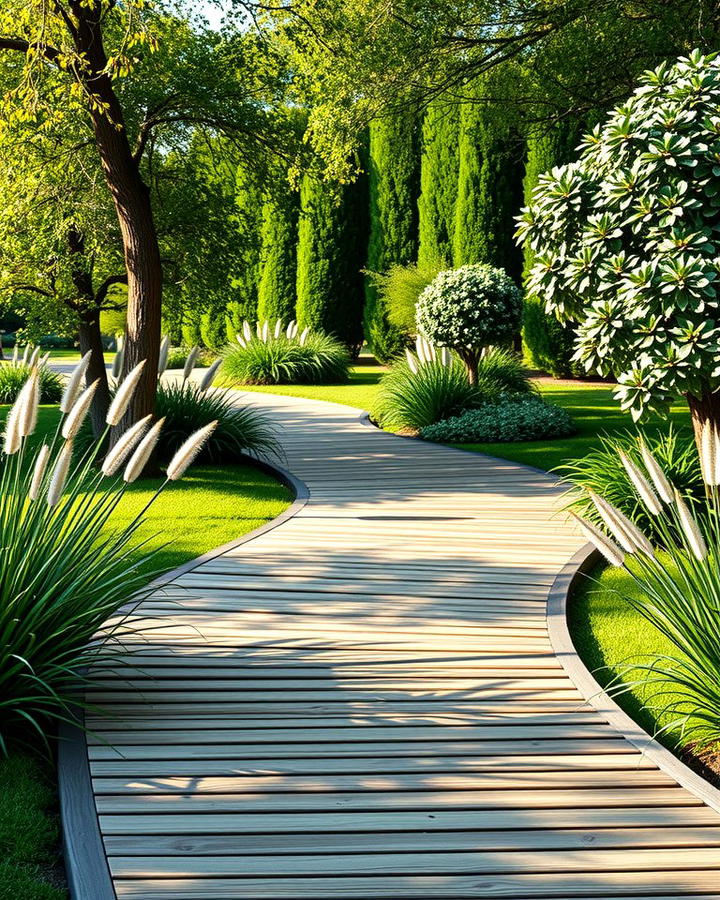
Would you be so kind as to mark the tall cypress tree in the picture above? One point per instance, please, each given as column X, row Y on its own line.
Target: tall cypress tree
column 490, row 186
column 548, row 343
column 278, row 257
column 393, row 184
column 248, row 200
column 438, row 182
column 332, row 244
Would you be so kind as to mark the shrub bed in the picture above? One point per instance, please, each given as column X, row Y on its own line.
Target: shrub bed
column 512, row 418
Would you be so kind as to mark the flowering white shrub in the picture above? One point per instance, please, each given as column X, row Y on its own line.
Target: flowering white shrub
column 625, row 241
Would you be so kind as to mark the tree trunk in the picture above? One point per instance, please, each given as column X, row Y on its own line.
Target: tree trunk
column 470, row 359
column 91, row 339
column 705, row 408
column 131, row 197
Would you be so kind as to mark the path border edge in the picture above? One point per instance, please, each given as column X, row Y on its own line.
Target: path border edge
column 577, row 568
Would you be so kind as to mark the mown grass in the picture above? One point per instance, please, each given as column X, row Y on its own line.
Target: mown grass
column 609, row 634
column 209, row 507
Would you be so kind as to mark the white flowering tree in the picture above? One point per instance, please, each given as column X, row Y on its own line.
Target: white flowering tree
column 627, row 242
column 468, row 309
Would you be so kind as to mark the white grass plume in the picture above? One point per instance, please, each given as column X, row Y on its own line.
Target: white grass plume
column 241, row 340
column 641, row 485
column 659, row 479
column 690, row 527
column 625, row 531
column 12, row 439
column 34, row 357
column 59, row 474
column 189, row 451
column 209, row 375
column 304, row 337
column 143, row 452
column 190, row 363
column 278, row 328
column 164, row 355
column 117, row 365
column 411, row 361
column 127, row 440
column 72, row 388
column 27, row 403
column 26, row 354
column 124, row 394
column 291, row 330
column 77, row 414
column 247, row 331
column 609, row 549
column 41, row 461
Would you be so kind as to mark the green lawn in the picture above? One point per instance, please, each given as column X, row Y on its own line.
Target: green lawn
column 359, row 392
column 608, row 633
column 210, row 506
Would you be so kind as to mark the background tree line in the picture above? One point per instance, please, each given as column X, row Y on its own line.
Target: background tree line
column 270, row 165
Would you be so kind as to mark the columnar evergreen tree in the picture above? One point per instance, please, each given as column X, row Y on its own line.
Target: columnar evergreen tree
column 489, row 193
column 438, row 182
column 249, row 204
column 394, row 185
column 332, row 242
column 278, row 256
column 547, row 343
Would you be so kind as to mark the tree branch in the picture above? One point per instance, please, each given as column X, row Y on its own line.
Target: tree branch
column 110, row 281
column 8, row 43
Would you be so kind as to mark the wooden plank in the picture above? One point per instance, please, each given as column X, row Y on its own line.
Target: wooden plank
column 195, row 803
column 418, row 863
column 151, row 822
column 199, row 768
column 102, row 749
column 405, row 841
column 428, row 887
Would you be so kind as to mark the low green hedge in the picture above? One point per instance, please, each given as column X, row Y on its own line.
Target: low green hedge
column 510, row 419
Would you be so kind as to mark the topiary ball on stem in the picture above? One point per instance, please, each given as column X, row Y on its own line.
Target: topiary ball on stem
column 469, row 309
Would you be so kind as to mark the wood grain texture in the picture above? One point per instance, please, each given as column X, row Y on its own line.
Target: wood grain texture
column 364, row 701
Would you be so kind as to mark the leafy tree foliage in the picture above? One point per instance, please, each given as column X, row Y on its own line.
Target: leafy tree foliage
column 625, row 242
column 278, row 256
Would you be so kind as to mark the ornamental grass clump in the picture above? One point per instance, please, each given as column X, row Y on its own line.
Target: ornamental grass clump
column 678, row 588
column 279, row 354
column 601, row 470
column 65, row 570
column 15, row 372
column 188, row 406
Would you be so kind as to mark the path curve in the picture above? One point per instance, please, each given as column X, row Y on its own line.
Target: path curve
column 364, row 702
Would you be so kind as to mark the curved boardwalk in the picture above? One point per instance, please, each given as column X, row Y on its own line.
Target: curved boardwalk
column 363, row 702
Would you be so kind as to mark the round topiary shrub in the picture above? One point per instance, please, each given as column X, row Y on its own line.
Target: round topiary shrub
column 516, row 418
column 469, row 309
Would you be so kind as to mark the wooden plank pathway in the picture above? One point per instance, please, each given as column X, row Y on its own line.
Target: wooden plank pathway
column 364, row 703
